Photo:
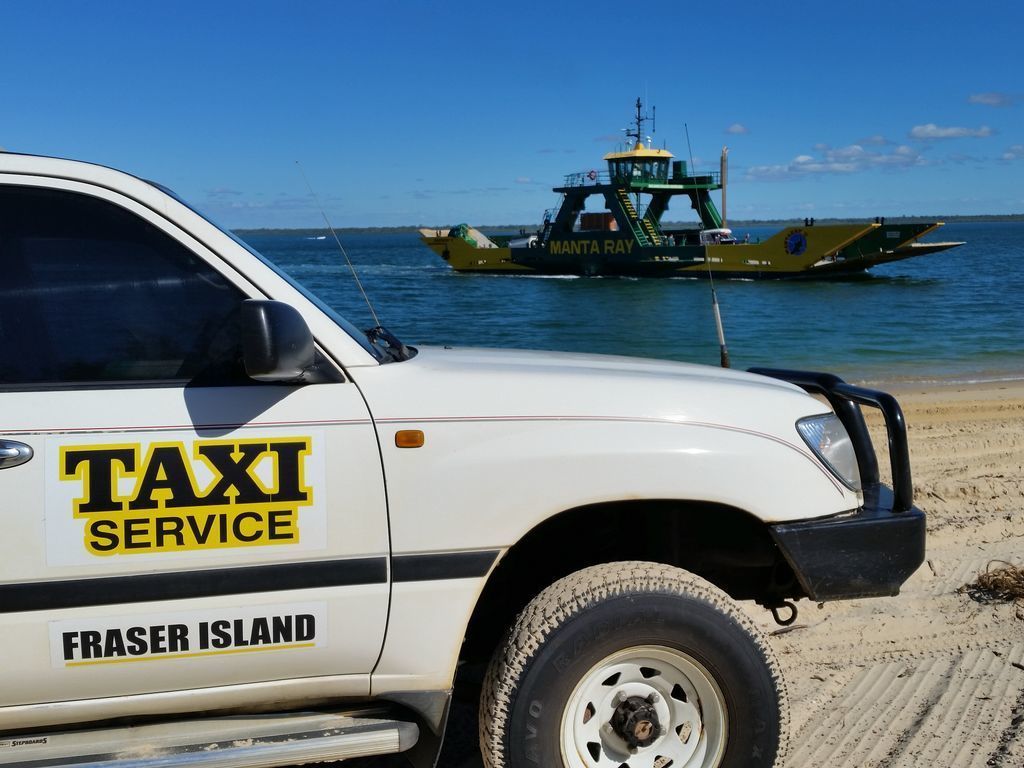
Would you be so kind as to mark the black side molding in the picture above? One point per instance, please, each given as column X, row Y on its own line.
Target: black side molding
column 241, row 580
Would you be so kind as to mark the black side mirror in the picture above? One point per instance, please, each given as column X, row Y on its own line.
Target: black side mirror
column 277, row 345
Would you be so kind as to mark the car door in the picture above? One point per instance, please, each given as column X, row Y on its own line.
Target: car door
column 168, row 524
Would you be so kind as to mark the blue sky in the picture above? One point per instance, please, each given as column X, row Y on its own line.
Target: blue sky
column 435, row 113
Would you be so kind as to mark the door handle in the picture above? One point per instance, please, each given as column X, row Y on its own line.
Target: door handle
column 13, row 453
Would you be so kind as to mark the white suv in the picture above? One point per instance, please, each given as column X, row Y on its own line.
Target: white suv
column 239, row 531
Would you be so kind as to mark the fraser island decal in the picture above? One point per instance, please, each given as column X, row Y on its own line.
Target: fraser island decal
column 181, row 635
column 182, row 494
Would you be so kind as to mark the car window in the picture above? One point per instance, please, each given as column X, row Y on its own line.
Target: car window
column 92, row 294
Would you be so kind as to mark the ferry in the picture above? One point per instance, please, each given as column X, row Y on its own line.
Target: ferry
column 628, row 238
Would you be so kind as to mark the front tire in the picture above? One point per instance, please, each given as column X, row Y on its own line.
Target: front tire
column 633, row 664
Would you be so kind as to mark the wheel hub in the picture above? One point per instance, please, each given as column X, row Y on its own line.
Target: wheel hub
column 635, row 721
column 644, row 707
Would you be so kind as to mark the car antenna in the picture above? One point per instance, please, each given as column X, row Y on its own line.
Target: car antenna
column 723, row 350
column 689, row 151
column 355, row 275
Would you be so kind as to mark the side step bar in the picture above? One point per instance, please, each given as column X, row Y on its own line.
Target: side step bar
column 252, row 741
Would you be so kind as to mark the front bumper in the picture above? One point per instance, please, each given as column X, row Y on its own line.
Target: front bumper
column 872, row 551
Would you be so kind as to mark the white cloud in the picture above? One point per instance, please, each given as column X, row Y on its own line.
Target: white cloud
column 877, row 140
column 852, row 152
column 960, row 158
column 737, row 128
column 839, row 160
column 993, row 99
column 933, row 131
column 1014, row 152
column 769, row 172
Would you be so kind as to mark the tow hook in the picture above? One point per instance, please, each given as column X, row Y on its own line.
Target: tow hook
column 779, row 619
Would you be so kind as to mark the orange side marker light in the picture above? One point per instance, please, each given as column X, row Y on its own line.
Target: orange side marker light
column 409, row 438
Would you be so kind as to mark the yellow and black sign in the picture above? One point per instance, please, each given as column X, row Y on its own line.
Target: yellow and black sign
column 162, row 497
column 84, row 642
column 183, row 638
column 591, row 247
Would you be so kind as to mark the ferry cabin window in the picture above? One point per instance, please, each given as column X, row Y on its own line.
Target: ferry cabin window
column 648, row 170
column 93, row 295
column 655, row 170
column 623, row 170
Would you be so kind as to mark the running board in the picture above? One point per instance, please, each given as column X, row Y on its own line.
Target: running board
column 220, row 742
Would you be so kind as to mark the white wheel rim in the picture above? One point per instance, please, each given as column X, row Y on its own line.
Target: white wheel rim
column 688, row 702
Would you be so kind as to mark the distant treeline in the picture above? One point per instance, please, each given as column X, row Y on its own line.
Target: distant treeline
column 890, row 219
column 733, row 223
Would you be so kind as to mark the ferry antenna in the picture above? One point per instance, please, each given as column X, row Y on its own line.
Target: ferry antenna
column 341, row 248
column 639, row 120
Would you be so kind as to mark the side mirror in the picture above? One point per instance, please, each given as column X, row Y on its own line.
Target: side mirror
column 277, row 345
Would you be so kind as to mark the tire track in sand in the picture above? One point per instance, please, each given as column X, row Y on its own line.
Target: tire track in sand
column 929, row 679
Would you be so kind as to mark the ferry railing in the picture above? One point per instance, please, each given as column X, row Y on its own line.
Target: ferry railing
column 587, row 178
column 594, row 177
column 703, row 179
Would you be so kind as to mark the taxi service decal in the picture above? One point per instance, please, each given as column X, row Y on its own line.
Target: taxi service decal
column 83, row 643
column 182, row 495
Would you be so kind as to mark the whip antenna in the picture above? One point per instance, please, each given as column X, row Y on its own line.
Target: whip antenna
column 689, row 150
column 723, row 351
column 341, row 248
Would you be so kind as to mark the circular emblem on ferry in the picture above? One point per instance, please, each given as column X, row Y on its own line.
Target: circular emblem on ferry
column 592, row 175
column 796, row 242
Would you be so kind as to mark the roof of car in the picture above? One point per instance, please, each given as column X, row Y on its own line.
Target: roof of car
column 15, row 163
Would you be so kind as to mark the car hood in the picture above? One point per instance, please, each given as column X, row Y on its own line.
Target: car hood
column 445, row 382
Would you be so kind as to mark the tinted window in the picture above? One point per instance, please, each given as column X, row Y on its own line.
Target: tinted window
column 92, row 294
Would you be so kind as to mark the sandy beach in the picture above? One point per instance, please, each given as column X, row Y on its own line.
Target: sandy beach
column 931, row 677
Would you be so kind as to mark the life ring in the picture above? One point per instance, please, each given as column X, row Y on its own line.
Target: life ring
column 592, row 175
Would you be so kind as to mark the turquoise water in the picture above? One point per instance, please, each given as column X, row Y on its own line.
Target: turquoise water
column 957, row 315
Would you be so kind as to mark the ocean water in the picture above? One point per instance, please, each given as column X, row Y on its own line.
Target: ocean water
column 953, row 316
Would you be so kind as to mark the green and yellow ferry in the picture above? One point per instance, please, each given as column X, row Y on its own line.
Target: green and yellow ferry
column 628, row 239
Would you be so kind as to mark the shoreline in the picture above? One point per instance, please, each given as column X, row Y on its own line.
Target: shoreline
column 939, row 390
column 993, row 218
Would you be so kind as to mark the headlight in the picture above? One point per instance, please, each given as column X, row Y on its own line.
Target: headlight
column 827, row 437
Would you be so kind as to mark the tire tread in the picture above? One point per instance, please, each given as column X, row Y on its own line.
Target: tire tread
column 575, row 593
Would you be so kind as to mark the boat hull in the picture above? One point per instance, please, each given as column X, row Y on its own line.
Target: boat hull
column 811, row 251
